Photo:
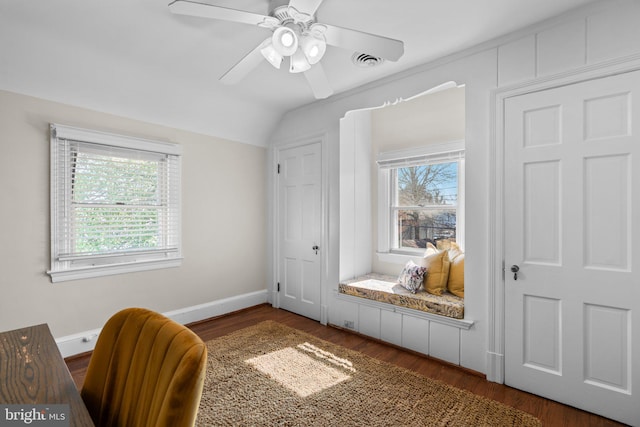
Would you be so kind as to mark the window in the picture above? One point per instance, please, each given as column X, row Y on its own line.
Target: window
column 115, row 204
column 421, row 198
column 423, row 204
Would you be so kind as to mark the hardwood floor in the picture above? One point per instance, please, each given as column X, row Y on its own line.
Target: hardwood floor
column 551, row 413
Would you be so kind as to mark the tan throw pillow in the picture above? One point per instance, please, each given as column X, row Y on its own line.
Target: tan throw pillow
column 455, row 285
column 430, row 249
column 437, row 265
column 443, row 245
column 454, row 250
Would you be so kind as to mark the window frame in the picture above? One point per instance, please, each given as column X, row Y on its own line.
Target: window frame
column 65, row 267
column 446, row 152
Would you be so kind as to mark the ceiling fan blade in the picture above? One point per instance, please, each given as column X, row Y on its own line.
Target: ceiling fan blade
column 203, row 10
column 306, row 6
column 318, row 81
column 358, row 41
column 239, row 71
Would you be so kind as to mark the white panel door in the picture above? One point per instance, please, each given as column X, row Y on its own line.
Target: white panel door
column 572, row 314
column 300, row 215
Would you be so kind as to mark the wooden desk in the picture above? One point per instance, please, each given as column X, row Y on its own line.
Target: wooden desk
column 32, row 371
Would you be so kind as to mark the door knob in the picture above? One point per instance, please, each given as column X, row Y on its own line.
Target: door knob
column 315, row 248
column 514, row 270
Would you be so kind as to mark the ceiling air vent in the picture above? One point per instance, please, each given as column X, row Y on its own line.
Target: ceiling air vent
column 365, row 60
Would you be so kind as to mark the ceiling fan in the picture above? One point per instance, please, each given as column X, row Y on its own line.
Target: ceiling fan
column 296, row 35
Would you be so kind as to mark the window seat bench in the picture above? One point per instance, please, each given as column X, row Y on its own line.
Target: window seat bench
column 386, row 289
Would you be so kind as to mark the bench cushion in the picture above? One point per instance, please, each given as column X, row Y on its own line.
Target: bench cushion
column 386, row 289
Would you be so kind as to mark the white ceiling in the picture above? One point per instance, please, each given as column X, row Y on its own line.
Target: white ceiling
column 134, row 58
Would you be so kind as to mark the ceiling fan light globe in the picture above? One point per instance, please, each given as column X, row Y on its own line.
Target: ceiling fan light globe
column 313, row 48
column 299, row 63
column 284, row 41
column 287, row 40
column 271, row 55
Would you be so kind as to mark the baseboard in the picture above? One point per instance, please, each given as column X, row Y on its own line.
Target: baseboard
column 495, row 367
column 217, row 308
column 85, row 341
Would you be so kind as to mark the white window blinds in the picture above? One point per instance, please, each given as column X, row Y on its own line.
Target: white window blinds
column 430, row 153
column 115, row 203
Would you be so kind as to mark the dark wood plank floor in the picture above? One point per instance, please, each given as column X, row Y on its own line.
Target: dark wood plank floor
column 551, row 413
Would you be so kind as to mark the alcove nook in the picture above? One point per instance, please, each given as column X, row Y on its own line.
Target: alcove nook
column 380, row 234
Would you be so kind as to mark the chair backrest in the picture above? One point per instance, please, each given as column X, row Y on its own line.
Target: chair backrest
column 146, row 370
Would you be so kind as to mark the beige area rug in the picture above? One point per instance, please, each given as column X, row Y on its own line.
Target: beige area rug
column 273, row 375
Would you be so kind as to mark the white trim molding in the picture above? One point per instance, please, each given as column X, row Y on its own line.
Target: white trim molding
column 83, row 342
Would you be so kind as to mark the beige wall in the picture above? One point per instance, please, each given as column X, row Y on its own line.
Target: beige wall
column 224, row 226
column 428, row 119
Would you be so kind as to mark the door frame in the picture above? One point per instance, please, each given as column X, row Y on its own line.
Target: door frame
column 324, row 218
column 496, row 281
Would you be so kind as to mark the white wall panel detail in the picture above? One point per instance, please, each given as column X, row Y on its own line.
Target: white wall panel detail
column 369, row 321
column 607, row 212
column 347, row 213
column 344, row 314
column 561, row 47
column 391, row 327
column 607, row 117
column 362, row 195
column 607, row 347
column 542, row 333
column 542, row 126
column 516, row 61
column 542, row 213
column 614, row 32
column 444, row 342
column 356, row 238
column 415, row 334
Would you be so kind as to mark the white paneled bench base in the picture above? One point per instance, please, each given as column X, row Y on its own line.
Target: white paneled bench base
column 430, row 334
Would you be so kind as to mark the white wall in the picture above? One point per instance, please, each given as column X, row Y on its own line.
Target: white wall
column 224, row 227
column 356, row 193
column 600, row 32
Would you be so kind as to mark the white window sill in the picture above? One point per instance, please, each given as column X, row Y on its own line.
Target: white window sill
column 107, row 270
column 399, row 258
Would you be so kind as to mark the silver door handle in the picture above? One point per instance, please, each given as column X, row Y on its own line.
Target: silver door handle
column 514, row 270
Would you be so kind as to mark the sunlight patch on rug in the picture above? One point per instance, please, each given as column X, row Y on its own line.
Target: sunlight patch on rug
column 300, row 372
column 329, row 357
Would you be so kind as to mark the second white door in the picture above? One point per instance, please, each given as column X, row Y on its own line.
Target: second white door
column 300, row 228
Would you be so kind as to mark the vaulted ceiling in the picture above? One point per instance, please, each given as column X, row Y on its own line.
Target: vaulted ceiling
column 135, row 58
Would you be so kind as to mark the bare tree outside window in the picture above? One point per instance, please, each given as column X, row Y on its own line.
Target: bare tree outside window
column 426, row 204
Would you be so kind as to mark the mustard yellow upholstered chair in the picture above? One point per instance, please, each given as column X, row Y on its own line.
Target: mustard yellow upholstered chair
column 146, row 370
